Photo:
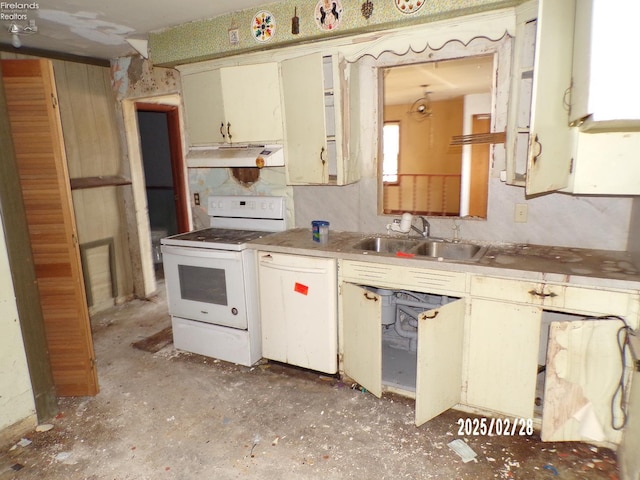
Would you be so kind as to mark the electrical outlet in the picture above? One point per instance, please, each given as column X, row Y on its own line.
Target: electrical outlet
column 521, row 213
column 196, row 198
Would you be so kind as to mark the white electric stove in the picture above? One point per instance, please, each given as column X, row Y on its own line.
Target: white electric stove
column 211, row 278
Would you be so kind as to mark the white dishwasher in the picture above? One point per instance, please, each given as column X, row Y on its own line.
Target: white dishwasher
column 298, row 308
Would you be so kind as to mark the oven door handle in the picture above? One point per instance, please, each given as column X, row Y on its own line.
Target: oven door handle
column 199, row 252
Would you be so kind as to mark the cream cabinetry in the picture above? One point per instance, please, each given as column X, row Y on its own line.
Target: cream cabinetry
column 502, row 353
column 554, row 296
column 572, row 79
column 237, row 104
column 520, row 330
column 439, row 356
column 605, row 91
column 499, row 345
column 412, row 278
column 315, row 101
column 545, row 139
column 605, row 99
column 437, row 363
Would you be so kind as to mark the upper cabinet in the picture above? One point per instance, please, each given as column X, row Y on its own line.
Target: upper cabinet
column 539, row 137
column 605, row 92
column 238, row 104
column 574, row 111
column 316, row 118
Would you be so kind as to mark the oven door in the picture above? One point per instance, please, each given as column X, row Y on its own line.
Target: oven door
column 206, row 285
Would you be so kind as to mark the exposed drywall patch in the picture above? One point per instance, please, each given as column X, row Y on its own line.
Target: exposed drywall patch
column 135, row 70
column 120, row 76
column 135, row 76
column 88, row 25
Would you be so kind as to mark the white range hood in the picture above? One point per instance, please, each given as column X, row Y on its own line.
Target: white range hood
column 241, row 155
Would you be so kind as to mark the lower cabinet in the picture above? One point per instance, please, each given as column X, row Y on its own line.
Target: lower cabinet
column 298, row 308
column 429, row 367
column 554, row 358
column 502, row 357
column 583, row 371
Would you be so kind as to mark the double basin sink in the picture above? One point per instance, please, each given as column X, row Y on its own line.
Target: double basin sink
column 427, row 248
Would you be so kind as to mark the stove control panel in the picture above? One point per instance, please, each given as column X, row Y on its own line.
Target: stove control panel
column 238, row 206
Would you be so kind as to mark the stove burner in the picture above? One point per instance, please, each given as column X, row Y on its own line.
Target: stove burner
column 220, row 235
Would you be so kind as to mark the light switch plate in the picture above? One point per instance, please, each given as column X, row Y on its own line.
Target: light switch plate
column 234, row 36
column 521, row 213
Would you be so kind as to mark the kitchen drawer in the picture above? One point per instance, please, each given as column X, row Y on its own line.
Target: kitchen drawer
column 597, row 302
column 411, row 278
column 532, row 293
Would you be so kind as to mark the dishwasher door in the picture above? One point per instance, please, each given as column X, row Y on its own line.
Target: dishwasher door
column 298, row 307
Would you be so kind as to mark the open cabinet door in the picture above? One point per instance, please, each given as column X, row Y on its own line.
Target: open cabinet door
column 303, row 92
column 579, row 384
column 439, row 374
column 36, row 130
column 549, row 158
column 362, row 336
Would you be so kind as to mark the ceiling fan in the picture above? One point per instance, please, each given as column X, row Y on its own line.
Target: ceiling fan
column 421, row 108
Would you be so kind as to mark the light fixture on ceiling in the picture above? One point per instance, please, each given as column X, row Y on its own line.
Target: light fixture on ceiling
column 16, row 30
column 421, row 108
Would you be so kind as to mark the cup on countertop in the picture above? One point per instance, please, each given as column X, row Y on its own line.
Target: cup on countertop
column 320, row 231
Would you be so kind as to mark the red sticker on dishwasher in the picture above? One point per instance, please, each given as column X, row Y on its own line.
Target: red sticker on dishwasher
column 300, row 288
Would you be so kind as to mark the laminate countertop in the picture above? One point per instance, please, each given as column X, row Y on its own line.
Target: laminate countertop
column 581, row 266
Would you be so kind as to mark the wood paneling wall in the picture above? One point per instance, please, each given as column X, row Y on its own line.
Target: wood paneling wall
column 92, row 143
column 93, row 150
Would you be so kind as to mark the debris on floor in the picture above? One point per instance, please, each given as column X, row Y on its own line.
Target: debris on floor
column 183, row 416
column 463, row 450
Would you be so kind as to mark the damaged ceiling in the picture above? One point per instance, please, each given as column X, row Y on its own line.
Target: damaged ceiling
column 99, row 29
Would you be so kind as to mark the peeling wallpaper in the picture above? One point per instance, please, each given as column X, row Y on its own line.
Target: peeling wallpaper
column 210, row 38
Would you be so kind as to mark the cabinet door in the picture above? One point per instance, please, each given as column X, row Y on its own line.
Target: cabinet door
column 439, row 374
column 303, row 94
column 202, row 96
column 362, row 336
column 583, row 370
column 503, row 357
column 549, row 156
column 252, row 106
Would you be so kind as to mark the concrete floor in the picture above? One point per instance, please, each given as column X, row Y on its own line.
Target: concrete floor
column 173, row 415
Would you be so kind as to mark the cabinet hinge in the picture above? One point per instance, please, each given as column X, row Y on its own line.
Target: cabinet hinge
column 54, row 101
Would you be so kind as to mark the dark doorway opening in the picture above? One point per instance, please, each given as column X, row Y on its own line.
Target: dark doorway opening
column 167, row 203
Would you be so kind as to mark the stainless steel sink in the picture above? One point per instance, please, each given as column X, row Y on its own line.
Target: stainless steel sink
column 421, row 248
column 386, row 244
column 453, row 251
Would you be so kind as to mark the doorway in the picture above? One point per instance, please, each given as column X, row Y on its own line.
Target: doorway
column 164, row 174
column 138, row 216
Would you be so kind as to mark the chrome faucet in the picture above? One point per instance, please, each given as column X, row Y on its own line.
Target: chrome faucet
column 426, row 227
